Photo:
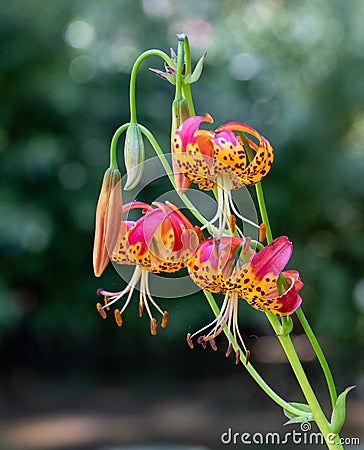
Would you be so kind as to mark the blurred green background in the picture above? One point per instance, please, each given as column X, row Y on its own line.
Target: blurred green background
column 294, row 71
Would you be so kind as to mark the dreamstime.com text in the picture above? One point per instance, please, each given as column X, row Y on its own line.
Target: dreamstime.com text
column 295, row 437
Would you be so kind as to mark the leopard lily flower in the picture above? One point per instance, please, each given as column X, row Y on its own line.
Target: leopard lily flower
column 231, row 267
column 218, row 159
column 162, row 240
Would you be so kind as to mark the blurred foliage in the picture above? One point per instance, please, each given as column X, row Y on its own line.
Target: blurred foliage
column 291, row 69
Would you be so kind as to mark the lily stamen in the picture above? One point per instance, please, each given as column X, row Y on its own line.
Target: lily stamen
column 228, row 316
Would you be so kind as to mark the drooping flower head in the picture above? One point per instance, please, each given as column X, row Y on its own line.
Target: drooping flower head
column 162, row 240
column 219, row 159
column 204, row 155
column 229, row 266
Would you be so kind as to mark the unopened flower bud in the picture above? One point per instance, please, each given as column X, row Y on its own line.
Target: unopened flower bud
column 134, row 156
column 180, row 113
column 108, row 219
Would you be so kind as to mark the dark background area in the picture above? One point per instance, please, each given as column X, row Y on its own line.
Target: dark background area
column 294, row 71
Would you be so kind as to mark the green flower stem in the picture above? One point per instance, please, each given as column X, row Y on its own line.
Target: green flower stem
column 186, row 87
column 169, row 172
column 300, row 314
column 187, row 50
column 286, row 341
column 178, row 95
column 113, row 145
column 139, row 60
column 309, row 394
column 249, row 367
column 319, row 353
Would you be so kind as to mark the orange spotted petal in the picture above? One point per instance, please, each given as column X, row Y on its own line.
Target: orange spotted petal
column 289, row 301
column 258, row 284
column 263, row 160
column 214, row 262
column 122, row 253
column 163, row 239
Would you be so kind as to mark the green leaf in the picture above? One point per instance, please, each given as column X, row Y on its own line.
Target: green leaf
column 197, row 71
column 339, row 412
column 298, row 419
column 304, row 413
column 169, row 76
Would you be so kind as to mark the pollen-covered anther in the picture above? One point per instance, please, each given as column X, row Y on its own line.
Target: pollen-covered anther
column 213, row 344
column 262, row 232
column 229, row 350
column 106, row 301
column 201, row 340
column 232, row 221
column 216, row 247
column 118, row 319
column 237, row 357
column 153, row 326
column 199, row 233
column 101, row 310
column 247, row 356
column 189, row 340
column 164, row 319
column 141, row 308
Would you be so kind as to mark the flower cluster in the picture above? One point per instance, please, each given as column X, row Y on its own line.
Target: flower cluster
column 217, row 256
column 164, row 240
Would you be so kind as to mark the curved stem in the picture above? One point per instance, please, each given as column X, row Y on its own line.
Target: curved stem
column 139, row 60
column 113, row 145
column 319, row 353
column 249, row 367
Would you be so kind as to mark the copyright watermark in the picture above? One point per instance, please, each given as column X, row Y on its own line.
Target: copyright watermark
column 295, row 437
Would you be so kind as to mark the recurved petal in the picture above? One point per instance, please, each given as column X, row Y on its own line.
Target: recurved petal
column 289, row 301
column 263, row 160
column 186, row 133
column 272, row 259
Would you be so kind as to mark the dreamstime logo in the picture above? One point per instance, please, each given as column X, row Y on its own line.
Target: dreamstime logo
column 295, row 437
column 181, row 285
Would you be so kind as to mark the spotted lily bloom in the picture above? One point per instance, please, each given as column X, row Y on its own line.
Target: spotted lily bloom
column 160, row 241
column 219, row 159
column 229, row 266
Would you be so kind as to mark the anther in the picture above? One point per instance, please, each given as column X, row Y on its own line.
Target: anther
column 141, row 308
column 189, row 340
column 247, row 356
column 153, row 326
column 213, row 344
column 232, row 220
column 262, row 232
column 216, row 247
column 229, row 350
column 199, row 233
column 237, row 357
column 201, row 340
column 101, row 311
column 106, row 301
column 164, row 319
column 118, row 319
